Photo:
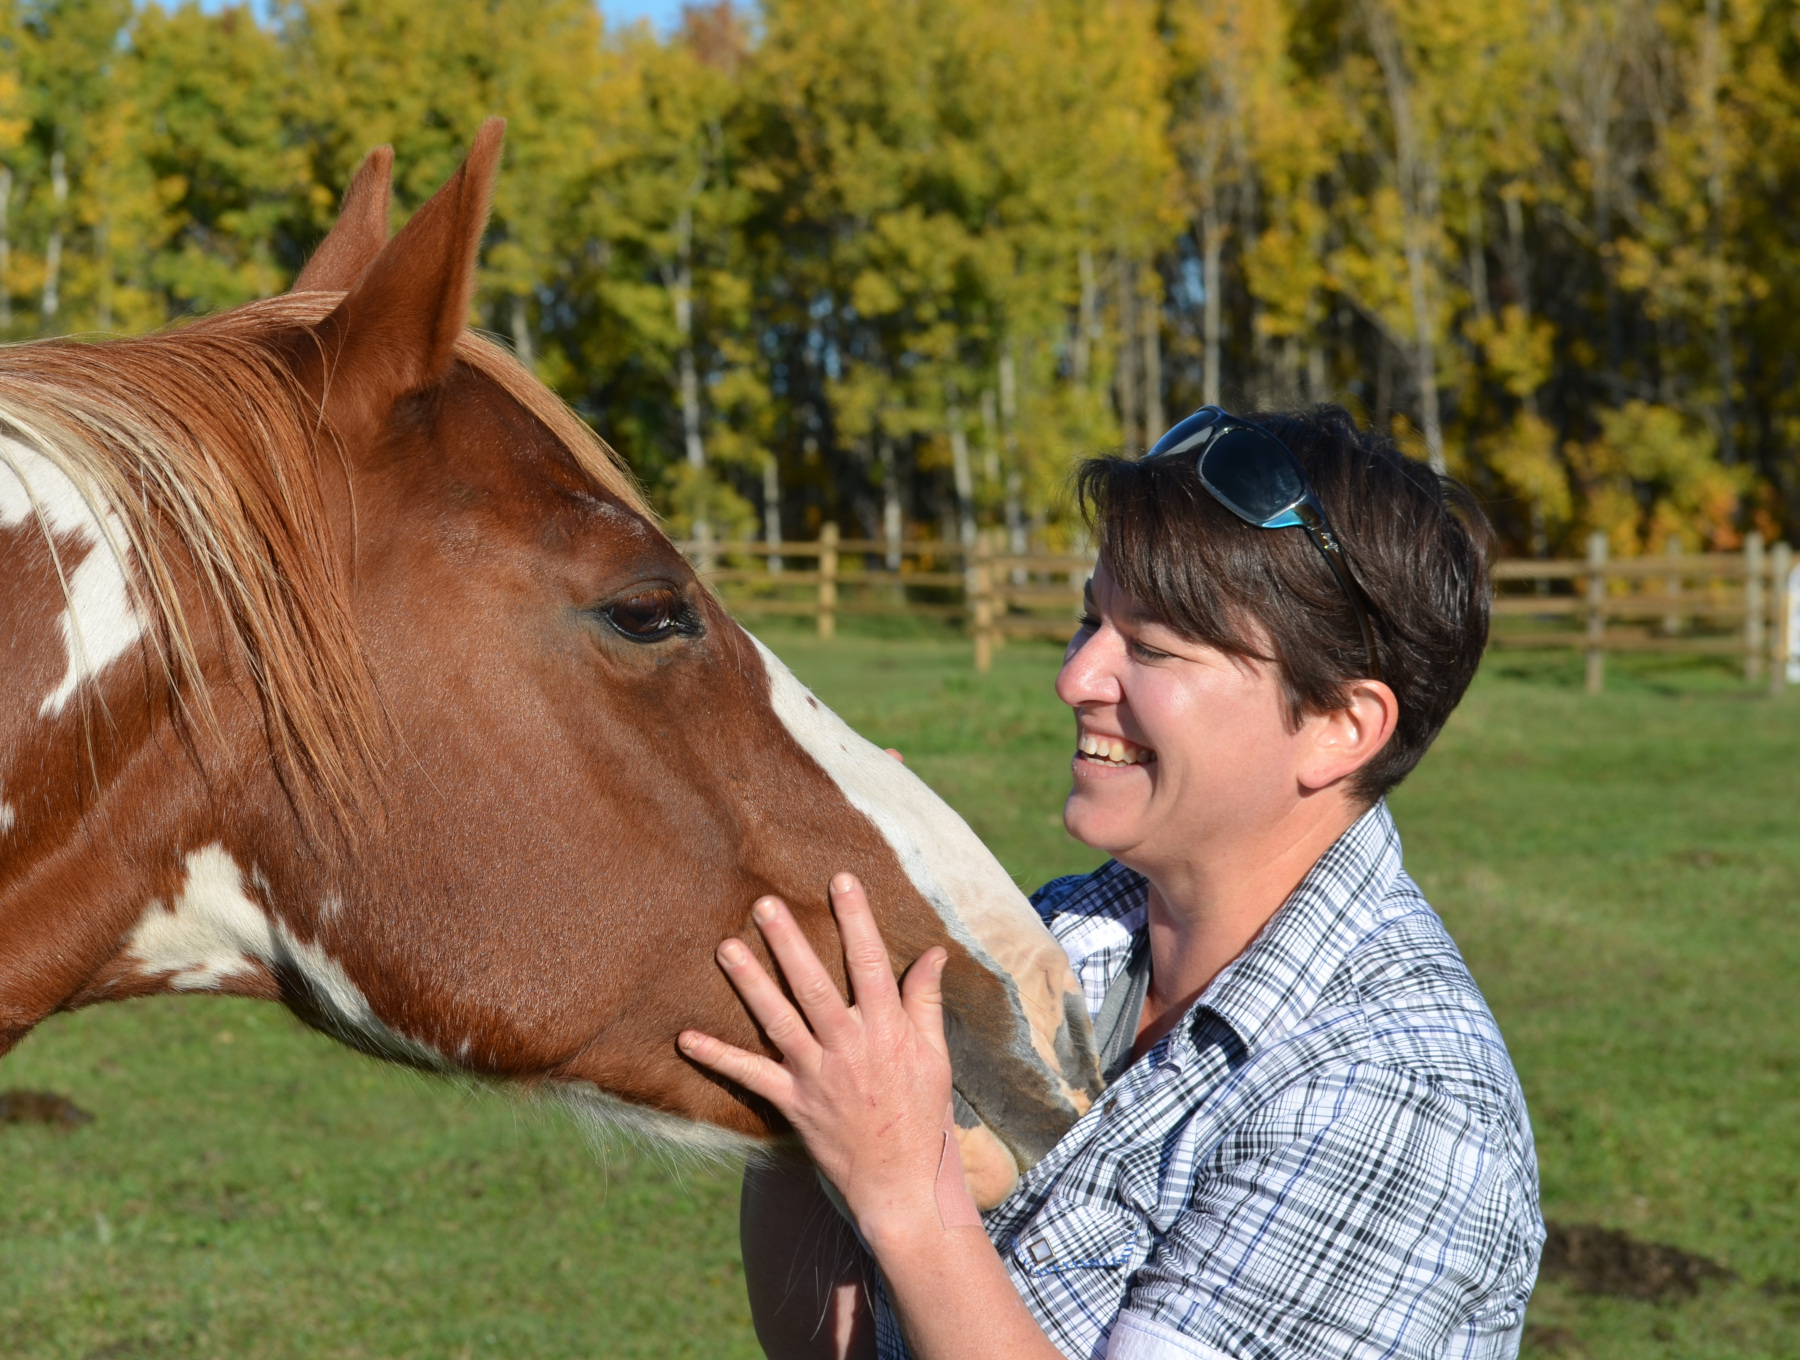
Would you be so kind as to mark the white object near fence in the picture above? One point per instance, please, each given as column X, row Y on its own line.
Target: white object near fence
column 1793, row 626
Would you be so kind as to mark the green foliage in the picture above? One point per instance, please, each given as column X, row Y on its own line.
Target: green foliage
column 900, row 265
column 697, row 495
column 1653, row 476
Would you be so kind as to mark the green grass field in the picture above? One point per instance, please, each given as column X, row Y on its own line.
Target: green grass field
column 1622, row 873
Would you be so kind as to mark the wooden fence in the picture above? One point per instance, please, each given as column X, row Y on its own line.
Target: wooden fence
column 1737, row 604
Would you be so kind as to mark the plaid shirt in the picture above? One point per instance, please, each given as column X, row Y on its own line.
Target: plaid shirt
column 1328, row 1157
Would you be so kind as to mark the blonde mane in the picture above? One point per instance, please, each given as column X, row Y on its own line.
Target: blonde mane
column 207, row 453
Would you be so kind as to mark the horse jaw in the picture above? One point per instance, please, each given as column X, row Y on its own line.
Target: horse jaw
column 1003, row 1129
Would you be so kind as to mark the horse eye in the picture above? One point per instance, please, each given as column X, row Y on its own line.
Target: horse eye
column 648, row 617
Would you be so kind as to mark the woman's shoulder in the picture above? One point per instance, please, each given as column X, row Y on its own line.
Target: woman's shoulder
column 1111, row 891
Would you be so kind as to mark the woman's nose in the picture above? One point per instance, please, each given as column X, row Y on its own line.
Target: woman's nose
column 1089, row 673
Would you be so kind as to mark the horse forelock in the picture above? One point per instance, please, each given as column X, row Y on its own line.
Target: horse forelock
column 202, row 452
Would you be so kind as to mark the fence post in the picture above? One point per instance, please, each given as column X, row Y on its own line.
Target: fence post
column 1753, row 606
column 981, row 604
column 1671, row 624
column 1781, row 565
column 1596, row 612
column 828, row 570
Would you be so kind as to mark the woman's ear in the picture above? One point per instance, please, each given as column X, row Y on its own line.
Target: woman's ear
column 1339, row 743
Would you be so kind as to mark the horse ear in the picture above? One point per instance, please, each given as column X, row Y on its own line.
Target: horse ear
column 395, row 331
column 361, row 230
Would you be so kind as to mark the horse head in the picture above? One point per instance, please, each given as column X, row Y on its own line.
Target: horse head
column 349, row 670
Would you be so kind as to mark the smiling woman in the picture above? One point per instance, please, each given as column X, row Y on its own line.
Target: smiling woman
column 1312, row 1130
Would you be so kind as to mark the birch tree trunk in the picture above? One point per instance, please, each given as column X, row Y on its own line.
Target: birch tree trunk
column 1125, row 378
column 1518, row 276
column 1009, row 441
column 689, row 378
column 1588, row 80
column 6, row 184
column 891, row 525
column 771, row 479
column 1477, row 234
column 1417, row 172
column 51, row 301
column 1150, row 327
column 1087, row 322
column 521, row 333
column 964, row 477
column 680, row 284
column 1212, row 312
column 990, row 438
column 1711, row 70
column 103, row 291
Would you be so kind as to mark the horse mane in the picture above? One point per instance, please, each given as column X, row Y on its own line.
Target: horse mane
column 203, row 451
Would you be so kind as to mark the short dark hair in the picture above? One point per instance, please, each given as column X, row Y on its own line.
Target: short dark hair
column 1417, row 544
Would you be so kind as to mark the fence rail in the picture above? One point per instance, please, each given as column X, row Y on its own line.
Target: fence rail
column 1744, row 604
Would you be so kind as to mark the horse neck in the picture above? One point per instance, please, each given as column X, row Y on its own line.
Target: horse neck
column 105, row 792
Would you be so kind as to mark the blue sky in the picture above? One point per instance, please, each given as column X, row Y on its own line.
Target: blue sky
column 662, row 14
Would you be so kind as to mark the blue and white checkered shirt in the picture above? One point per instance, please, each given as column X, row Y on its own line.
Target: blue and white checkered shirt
column 1328, row 1157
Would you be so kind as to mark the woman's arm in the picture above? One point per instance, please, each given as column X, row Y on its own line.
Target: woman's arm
column 867, row 1087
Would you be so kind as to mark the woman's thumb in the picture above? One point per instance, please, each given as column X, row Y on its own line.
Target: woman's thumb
column 922, row 996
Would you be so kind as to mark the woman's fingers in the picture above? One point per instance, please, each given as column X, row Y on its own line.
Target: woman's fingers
column 865, row 953
column 922, row 994
column 765, row 1001
column 813, row 987
column 755, row 1073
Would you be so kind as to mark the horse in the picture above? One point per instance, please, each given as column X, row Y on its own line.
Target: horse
column 346, row 668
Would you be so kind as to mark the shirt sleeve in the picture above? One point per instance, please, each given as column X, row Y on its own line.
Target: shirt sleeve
column 1364, row 1213
column 1048, row 899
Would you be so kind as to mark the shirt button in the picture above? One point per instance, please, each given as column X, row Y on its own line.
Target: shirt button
column 1039, row 1251
column 1111, row 1104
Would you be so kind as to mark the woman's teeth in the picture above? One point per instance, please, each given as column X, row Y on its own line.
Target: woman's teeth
column 1114, row 750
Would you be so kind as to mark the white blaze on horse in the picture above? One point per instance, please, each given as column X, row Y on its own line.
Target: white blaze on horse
column 345, row 668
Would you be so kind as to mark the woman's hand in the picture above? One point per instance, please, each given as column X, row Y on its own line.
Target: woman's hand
column 866, row 1086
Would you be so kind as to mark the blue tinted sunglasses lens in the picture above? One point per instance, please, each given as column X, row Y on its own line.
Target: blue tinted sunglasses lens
column 1190, row 435
column 1252, row 473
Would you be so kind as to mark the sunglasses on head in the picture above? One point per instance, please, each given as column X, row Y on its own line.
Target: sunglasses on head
column 1254, row 475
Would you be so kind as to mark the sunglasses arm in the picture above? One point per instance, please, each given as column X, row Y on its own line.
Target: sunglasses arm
column 1326, row 542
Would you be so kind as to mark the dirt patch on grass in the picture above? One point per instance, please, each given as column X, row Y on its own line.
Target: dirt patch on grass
column 1598, row 1260
column 1557, row 1341
column 41, row 1107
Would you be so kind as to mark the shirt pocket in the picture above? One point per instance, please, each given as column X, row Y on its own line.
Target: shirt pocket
column 1067, row 1237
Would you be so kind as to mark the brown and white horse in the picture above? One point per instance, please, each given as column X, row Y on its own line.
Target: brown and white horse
column 344, row 667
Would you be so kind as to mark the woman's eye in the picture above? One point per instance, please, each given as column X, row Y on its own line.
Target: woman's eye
column 1145, row 653
column 648, row 617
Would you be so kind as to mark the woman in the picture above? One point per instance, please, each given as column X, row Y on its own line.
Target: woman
column 1313, row 1142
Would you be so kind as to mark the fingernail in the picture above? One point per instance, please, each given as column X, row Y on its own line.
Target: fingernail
column 763, row 911
column 688, row 1041
column 842, row 883
column 943, row 961
column 733, row 953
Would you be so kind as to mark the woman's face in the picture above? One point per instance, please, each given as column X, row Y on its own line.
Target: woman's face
column 1180, row 749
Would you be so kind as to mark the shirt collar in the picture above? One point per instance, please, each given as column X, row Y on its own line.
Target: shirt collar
column 1277, row 980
